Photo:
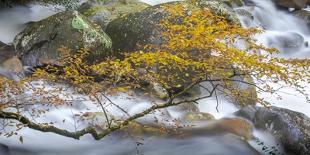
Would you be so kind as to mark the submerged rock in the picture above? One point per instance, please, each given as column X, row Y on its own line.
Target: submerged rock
column 291, row 129
column 286, row 42
column 105, row 11
column 304, row 15
column 39, row 43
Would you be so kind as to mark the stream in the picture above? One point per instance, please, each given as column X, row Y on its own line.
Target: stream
column 277, row 24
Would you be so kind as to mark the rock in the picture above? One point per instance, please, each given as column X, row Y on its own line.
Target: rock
column 104, row 12
column 4, row 150
column 6, row 52
column 286, row 42
column 237, row 126
column 40, row 41
column 10, row 65
column 233, row 3
column 297, row 4
column 198, row 116
column 142, row 28
column 304, row 15
column 245, row 17
column 221, row 8
column 131, row 32
column 290, row 128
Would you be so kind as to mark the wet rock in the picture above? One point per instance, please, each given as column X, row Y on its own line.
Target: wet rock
column 133, row 31
column 143, row 27
column 6, row 52
column 304, row 15
column 237, row 126
column 105, row 11
column 286, row 42
column 291, row 129
column 10, row 65
column 4, row 150
column 40, row 41
column 221, row 8
column 297, row 4
column 198, row 116
column 245, row 17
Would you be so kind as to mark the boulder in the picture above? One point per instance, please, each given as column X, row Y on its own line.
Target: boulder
column 133, row 31
column 104, row 12
column 40, row 41
column 290, row 128
column 142, row 28
column 297, row 4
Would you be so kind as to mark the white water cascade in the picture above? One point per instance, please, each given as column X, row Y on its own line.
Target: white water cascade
column 278, row 25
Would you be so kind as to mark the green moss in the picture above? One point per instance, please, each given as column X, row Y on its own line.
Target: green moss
column 79, row 23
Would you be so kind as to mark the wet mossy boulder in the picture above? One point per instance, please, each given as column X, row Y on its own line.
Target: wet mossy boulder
column 134, row 30
column 39, row 42
column 104, row 12
column 290, row 128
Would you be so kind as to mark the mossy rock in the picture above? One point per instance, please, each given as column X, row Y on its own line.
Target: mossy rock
column 104, row 12
column 198, row 116
column 40, row 41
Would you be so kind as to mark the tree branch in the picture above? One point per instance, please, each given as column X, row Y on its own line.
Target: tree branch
column 91, row 130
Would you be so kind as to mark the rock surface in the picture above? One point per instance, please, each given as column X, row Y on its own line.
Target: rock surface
column 104, row 12
column 291, row 129
column 39, row 43
column 304, row 15
column 297, row 4
column 143, row 27
column 6, row 52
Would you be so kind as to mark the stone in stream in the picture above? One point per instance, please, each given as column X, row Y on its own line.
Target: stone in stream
column 297, row 4
column 10, row 65
column 6, row 52
column 131, row 32
column 290, row 128
column 40, row 41
column 286, row 42
column 304, row 15
column 103, row 12
column 4, row 150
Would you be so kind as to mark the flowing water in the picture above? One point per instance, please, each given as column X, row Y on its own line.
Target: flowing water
column 278, row 26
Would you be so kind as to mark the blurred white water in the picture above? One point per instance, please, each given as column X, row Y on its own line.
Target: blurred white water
column 14, row 20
